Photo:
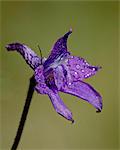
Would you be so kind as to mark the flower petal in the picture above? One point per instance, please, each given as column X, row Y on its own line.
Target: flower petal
column 41, row 86
column 80, row 69
column 30, row 57
column 59, row 106
column 59, row 77
column 49, row 79
column 85, row 91
column 59, row 51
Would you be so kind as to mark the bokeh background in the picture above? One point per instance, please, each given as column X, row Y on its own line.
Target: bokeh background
column 94, row 37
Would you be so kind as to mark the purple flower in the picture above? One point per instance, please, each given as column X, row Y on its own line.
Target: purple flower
column 61, row 72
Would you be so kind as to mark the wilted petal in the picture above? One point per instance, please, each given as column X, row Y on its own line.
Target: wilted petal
column 59, row 106
column 30, row 57
column 80, row 69
column 59, row 51
column 85, row 91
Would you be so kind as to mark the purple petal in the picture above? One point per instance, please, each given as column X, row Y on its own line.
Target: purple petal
column 41, row 86
column 80, row 69
column 30, row 57
column 59, row 77
column 85, row 91
column 59, row 106
column 49, row 79
column 59, row 51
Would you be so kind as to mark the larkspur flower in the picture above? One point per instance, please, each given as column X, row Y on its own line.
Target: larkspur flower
column 61, row 72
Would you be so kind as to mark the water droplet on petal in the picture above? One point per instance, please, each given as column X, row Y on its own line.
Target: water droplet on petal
column 66, row 60
column 82, row 70
column 76, row 75
column 87, row 75
column 77, row 66
column 72, row 57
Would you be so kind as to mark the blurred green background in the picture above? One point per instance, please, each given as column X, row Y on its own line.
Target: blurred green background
column 95, row 38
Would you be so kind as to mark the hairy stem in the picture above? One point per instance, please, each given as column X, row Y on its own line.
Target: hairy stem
column 24, row 113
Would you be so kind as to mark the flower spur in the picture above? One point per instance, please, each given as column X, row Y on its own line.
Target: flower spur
column 61, row 72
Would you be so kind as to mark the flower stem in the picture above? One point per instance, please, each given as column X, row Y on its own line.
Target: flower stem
column 24, row 113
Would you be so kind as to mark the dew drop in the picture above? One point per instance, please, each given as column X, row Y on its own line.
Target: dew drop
column 82, row 71
column 87, row 75
column 72, row 57
column 66, row 60
column 69, row 83
column 77, row 66
column 76, row 75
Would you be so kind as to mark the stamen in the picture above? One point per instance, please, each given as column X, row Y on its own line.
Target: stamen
column 40, row 54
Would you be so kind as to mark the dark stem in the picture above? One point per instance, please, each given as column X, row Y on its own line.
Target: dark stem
column 24, row 113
